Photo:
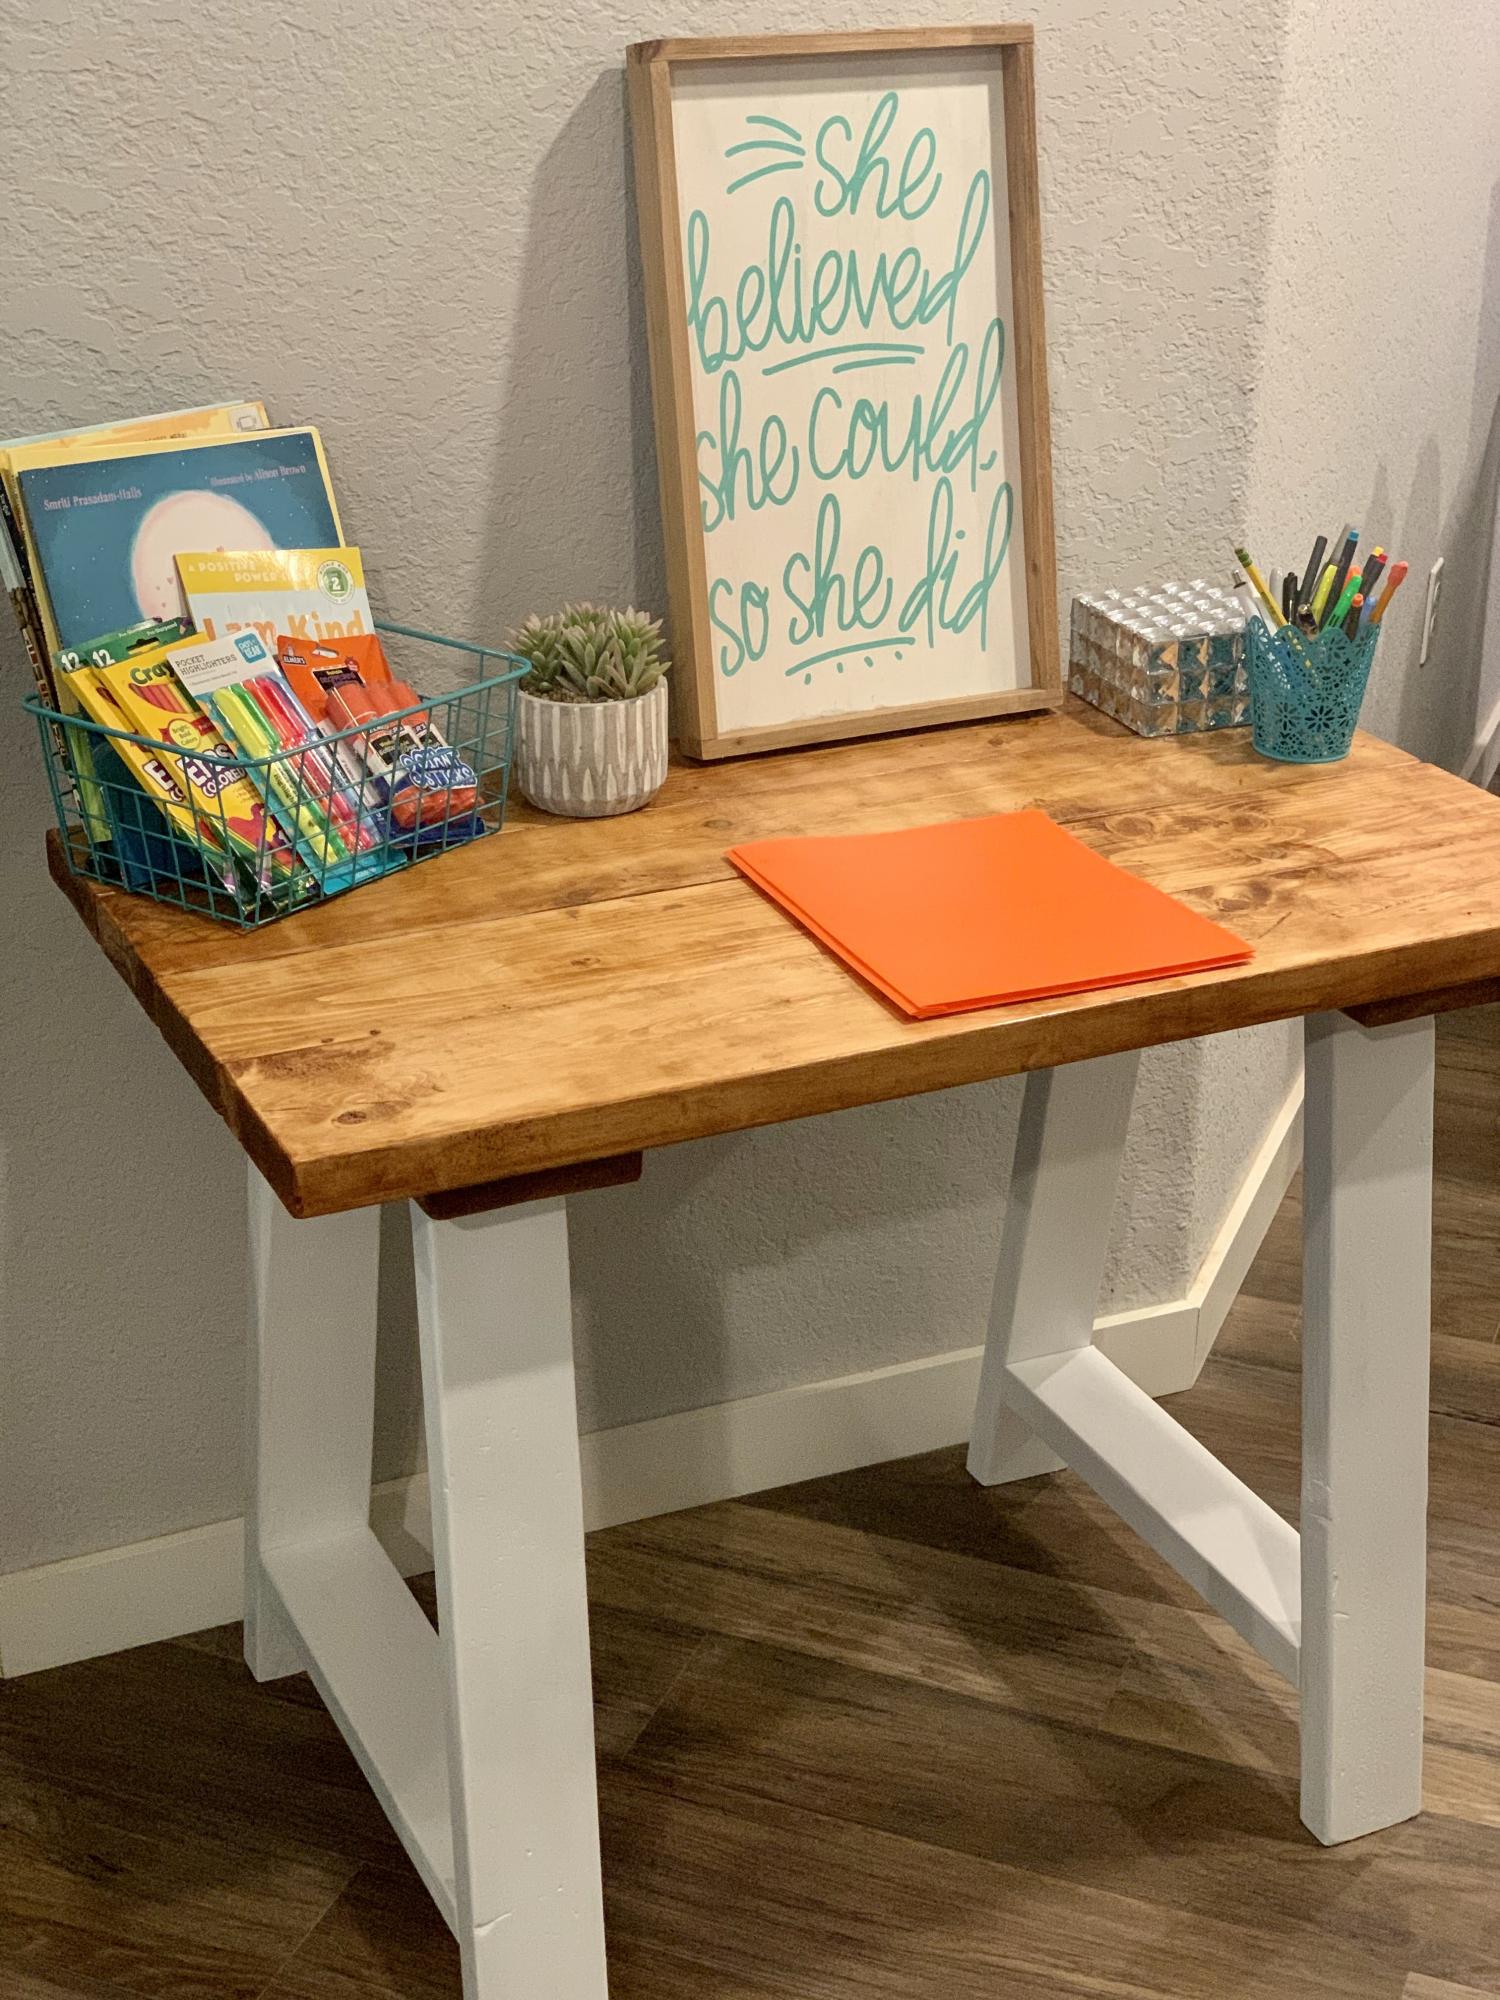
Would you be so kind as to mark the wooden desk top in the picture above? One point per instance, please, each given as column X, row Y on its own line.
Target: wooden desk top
column 575, row 989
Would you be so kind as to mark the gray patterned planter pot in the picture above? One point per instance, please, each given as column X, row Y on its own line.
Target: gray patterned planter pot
column 588, row 759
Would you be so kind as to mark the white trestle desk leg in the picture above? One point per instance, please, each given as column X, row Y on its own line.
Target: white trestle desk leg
column 1062, row 1194
column 1367, row 1254
column 313, row 1288
column 507, row 1514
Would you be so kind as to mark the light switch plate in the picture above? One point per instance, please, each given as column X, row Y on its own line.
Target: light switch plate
column 1429, row 616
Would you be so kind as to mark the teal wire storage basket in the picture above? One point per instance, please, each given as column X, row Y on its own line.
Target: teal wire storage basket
column 1306, row 690
column 190, row 850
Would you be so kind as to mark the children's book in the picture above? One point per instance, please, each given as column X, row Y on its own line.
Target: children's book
column 244, row 415
column 209, row 419
column 983, row 912
column 303, row 593
column 15, row 575
column 102, row 530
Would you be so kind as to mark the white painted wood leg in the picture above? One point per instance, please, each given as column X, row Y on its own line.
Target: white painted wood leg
column 1368, row 1230
column 1062, row 1193
column 313, row 1291
column 507, row 1511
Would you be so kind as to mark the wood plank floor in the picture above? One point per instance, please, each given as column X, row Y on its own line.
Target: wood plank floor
column 883, row 1735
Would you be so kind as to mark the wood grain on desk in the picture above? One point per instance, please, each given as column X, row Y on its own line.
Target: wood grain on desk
column 575, row 989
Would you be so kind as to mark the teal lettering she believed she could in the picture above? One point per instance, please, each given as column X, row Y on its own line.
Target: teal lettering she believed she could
column 775, row 300
column 843, row 308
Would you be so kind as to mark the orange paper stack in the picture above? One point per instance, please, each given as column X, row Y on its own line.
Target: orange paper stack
column 983, row 912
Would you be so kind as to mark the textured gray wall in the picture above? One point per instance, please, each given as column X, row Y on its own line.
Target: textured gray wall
column 1380, row 371
column 413, row 225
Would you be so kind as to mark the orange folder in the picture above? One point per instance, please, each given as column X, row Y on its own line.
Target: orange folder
column 983, row 912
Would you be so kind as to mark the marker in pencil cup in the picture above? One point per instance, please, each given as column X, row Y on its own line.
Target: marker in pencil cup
column 1346, row 598
column 1312, row 573
column 1396, row 579
column 1340, row 575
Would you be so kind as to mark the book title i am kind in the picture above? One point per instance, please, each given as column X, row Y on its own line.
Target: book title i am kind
column 880, row 305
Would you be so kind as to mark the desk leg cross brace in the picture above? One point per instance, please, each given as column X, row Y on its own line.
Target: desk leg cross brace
column 1340, row 1610
column 479, row 1744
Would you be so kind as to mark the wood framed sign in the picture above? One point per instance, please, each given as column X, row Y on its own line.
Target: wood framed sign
column 843, row 279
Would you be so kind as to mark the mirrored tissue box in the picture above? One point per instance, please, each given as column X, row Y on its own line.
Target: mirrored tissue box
column 1166, row 660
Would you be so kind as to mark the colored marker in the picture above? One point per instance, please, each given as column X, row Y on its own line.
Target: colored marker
column 1312, row 573
column 1393, row 583
column 255, row 736
column 1242, row 557
column 1320, row 595
column 1351, row 620
column 1341, row 571
column 314, row 765
column 1371, row 574
column 1341, row 609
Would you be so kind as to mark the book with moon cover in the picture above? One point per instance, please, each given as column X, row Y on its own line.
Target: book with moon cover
column 103, row 531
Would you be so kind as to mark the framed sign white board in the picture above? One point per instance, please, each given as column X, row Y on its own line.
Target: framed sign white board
column 844, row 296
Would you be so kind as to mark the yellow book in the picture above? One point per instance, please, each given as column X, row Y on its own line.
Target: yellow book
column 312, row 594
column 208, row 420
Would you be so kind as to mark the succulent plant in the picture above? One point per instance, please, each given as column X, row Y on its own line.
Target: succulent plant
column 589, row 652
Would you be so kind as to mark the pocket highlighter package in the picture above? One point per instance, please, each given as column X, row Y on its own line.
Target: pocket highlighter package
column 239, row 683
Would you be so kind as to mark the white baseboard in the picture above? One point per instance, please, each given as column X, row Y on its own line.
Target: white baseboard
column 153, row 1590
column 1483, row 759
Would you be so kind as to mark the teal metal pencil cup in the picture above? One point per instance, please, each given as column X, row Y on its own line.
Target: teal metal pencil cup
column 1305, row 691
